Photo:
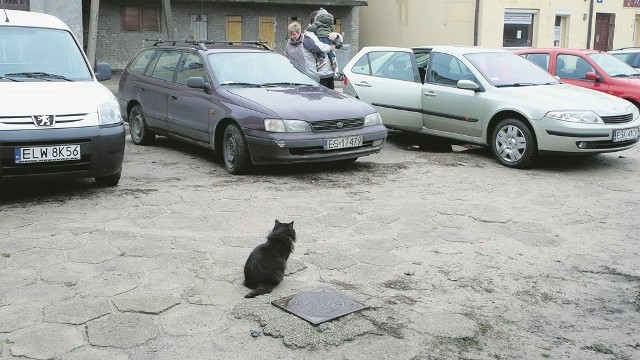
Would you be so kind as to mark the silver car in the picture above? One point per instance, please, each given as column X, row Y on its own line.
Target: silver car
column 489, row 97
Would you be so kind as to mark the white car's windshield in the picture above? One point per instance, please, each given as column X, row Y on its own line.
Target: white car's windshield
column 36, row 54
column 507, row 69
column 613, row 66
column 256, row 69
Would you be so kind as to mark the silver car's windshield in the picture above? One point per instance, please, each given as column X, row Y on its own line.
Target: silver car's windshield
column 36, row 54
column 504, row 69
column 613, row 66
column 256, row 69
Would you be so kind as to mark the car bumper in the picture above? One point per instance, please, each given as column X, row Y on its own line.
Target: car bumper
column 101, row 149
column 566, row 137
column 289, row 148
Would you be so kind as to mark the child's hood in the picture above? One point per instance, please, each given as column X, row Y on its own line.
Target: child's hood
column 326, row 19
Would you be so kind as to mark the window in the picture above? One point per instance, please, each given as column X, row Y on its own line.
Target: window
column 372, row 63
column 518, row 29
column 141, row 19
column 139, row 64
column 572, row 67
column 166, row 65
column 541, row 60
column 447, row 70
column 191, row 66
column 398, row 67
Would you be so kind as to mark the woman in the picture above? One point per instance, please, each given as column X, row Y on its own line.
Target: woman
column 293, row 48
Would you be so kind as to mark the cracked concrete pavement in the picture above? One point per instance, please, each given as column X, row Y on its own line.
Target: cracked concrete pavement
column 455, row 255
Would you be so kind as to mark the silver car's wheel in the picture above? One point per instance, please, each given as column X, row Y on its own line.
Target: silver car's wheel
column 140, row 133
column 235, row 152
column 513, row 144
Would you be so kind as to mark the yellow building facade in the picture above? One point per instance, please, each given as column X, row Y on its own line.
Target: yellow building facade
column 594, row 24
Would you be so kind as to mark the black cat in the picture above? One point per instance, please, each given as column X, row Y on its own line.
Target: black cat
column 265, row 266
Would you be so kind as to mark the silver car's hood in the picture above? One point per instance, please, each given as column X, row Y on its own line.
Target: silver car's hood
column 305, row 102
column 566, row 97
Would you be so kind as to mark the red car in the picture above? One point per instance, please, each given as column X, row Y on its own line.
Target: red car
column 590, row 69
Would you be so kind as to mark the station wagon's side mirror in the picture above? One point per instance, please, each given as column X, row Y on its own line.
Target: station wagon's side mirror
column 591, row 75
column 103, row 71
column 198, row 82
column 469, row 85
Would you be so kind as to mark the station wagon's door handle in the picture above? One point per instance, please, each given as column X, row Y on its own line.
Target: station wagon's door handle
column 173, row 97
column 430, row 94
column 363, row 84
column 142, row 89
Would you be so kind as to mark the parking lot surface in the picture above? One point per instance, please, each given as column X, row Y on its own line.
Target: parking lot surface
column 456, row 256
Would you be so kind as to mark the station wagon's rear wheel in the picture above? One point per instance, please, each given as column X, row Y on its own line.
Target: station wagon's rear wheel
column 140, row 133
column 513, row 144
column 235, row 152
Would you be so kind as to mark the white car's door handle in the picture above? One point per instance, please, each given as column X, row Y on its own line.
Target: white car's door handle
column 363, row 83
column 430, row 94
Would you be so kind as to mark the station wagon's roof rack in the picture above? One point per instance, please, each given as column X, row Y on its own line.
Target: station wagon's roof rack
column 201, row 44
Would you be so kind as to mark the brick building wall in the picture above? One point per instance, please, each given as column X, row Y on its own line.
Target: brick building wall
column 116, row 46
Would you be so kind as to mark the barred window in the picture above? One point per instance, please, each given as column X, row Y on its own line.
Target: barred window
column 17, row 4
column 141, row 19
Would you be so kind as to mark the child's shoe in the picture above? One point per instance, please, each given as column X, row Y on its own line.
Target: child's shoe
column 334, row 65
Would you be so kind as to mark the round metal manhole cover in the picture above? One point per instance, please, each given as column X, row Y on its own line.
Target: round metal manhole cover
column 318, row 306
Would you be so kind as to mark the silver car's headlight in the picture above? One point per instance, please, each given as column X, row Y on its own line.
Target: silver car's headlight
column 278, row 125
column 109, row 113
column 372, row 119
column 587, row 117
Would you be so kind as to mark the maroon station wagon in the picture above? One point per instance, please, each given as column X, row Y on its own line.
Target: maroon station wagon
column 245, row 101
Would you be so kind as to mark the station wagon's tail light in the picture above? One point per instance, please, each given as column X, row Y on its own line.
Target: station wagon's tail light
column 345, row 81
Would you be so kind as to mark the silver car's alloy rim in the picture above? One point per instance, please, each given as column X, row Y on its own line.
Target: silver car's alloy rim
column 511, row 143
column 230, row 151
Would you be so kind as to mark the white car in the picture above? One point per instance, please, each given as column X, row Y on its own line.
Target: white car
column 56, row 120
column 489, row 97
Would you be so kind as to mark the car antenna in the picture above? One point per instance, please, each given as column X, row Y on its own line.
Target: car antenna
column 6, row 17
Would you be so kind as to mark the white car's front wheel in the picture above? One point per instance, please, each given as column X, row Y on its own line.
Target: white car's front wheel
column 513, row 144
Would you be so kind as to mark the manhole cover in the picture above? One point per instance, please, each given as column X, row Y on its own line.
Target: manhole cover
column 318, row 306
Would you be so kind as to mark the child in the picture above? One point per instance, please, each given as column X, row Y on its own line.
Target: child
column 322, row 27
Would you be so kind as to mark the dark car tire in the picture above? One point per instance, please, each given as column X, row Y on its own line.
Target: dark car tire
column 109, row 180
column 513, row 144
column 235, row 152
column 140, row 133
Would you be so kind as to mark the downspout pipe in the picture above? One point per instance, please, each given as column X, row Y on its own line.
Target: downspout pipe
column 589, row 27
column 476, row 23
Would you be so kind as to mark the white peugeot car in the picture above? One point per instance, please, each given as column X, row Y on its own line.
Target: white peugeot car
column 489, row 97
column 56, row 120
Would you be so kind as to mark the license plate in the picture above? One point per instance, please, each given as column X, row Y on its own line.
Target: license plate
column 625, row 134
column 46, row 153
column 342, row 142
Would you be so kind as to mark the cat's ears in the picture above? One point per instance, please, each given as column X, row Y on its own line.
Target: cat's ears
column 278, row 223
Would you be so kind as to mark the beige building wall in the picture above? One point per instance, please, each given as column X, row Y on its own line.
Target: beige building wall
column 408, row 23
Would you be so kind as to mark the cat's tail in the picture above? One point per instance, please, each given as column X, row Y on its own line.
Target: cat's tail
column 260, row 289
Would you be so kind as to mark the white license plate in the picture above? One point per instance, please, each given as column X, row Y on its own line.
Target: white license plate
column 625, row 134
column 46, row 153
column 342, row 142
